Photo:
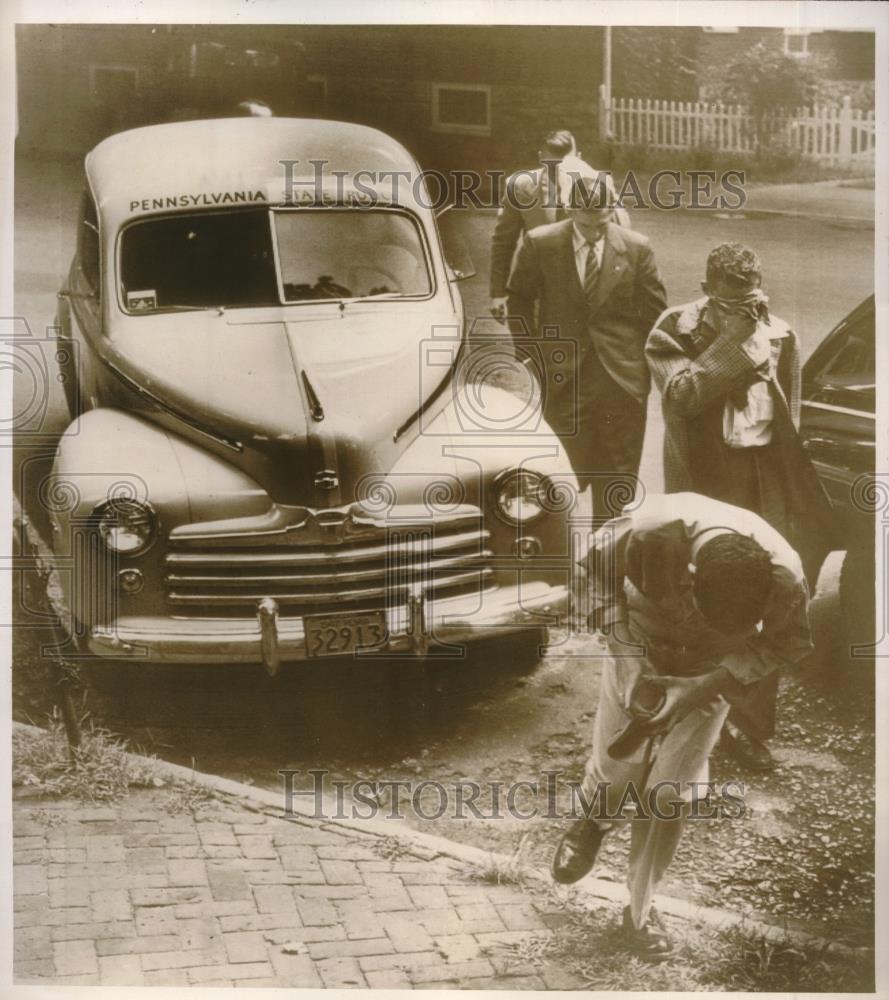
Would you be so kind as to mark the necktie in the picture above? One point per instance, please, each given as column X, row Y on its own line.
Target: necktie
column 591, row 274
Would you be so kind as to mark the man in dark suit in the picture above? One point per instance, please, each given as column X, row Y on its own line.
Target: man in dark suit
column 595, row 285
column 535, row 198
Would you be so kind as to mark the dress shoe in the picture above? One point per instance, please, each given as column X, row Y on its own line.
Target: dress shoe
column 576, row 852
column 746, row 750
column 650, row 942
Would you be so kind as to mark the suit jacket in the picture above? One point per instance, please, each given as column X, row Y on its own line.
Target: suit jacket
column 636, row 572
column 629, row 297
column 695, row 371
column 527, row 202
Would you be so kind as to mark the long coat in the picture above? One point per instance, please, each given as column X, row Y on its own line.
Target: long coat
column 695, row 371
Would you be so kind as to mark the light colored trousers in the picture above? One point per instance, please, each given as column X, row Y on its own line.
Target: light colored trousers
column 682, row 756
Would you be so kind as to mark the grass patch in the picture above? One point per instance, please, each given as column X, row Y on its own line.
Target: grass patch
column 390, row 848
column 502, row 871
column 741, row 959
column 589, row 945
column 188, row 796
column 99, row 770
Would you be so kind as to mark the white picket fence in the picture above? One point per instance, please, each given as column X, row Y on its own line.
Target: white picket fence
column 839, row 136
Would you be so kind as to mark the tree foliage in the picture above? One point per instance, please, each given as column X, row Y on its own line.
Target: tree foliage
column 659, row 63
column 763, row 79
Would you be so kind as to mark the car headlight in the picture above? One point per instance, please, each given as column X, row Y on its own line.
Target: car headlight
column 126, row 526
column 519, row 496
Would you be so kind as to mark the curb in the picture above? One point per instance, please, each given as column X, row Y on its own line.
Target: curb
column 844, row 221
column 429, row 846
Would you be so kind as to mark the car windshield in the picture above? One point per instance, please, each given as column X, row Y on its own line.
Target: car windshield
column 226, row 259
column 334, row 253
column 198, row 261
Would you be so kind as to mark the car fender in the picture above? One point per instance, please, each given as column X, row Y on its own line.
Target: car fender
column 108, row 453
column 451, row 462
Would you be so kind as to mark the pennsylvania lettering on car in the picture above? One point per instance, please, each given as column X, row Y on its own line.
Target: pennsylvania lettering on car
column 193, row 200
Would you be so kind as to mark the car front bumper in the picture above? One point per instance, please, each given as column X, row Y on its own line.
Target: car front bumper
column 269, row 639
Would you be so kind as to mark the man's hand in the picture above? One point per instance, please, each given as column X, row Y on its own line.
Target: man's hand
column 683, row 695
column 736, row 326
column 498, row 309
column 737, row 319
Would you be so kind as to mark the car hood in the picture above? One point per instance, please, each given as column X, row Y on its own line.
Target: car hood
column 308, row 401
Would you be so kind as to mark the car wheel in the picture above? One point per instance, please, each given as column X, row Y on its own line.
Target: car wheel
column 857, row 587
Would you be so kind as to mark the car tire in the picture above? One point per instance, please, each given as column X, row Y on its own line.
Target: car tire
column 857, row 599
column 826, row 617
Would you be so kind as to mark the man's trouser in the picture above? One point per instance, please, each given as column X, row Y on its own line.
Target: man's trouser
column 682, row 756
column 601, row 427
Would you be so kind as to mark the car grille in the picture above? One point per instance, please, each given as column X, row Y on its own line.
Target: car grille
column 229, row 574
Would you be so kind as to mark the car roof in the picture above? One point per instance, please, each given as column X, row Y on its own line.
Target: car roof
column 180, row 160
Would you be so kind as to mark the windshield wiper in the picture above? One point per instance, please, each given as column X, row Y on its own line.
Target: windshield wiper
column 379, row 295
column 176, row 307
column 369, row 298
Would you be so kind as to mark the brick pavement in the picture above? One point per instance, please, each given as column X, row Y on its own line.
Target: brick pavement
column 132, row 895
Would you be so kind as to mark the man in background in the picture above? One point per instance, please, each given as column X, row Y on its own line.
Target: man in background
column 535, row 198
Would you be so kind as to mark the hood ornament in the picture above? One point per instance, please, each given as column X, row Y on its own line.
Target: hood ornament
column 337, row 525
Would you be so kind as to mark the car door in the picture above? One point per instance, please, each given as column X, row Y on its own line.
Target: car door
column 838, row 411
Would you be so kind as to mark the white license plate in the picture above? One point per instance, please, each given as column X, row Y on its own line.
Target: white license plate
column 338, row 635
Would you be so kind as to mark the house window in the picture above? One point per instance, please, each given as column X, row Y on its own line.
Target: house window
column 113, row 85
column 316, row 93
column 461, row 108
column 796, row 42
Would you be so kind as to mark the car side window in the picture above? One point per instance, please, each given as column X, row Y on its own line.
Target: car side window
column 854, row 358
column 88, row 241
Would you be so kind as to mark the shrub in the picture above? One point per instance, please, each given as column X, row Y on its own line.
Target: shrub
column 776, row 157
column 762, row 79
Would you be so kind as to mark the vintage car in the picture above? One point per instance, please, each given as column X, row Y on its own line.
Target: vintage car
column 837, row 428
column 276, row 452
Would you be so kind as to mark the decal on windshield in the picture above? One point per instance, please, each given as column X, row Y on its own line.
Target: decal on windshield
column 193, row 200
column 146, row 299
